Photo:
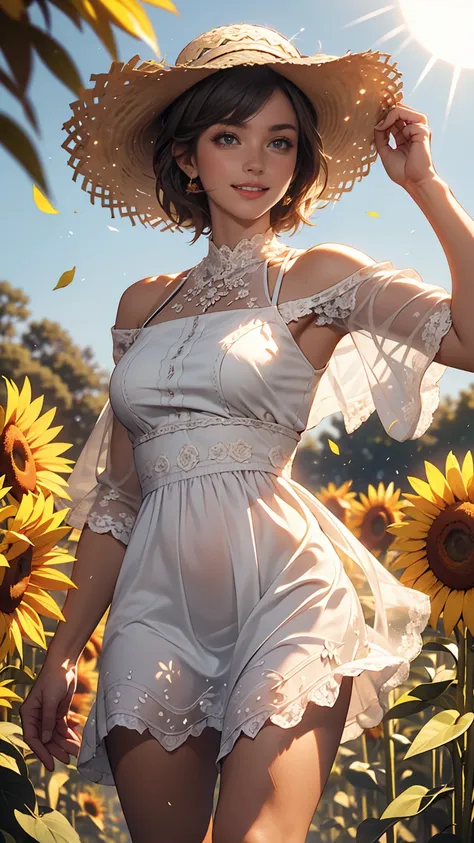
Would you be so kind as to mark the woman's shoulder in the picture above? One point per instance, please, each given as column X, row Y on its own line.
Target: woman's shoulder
column 326, row 264
column 142, row 297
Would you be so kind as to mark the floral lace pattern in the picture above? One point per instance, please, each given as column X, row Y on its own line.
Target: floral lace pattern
column 119, row 524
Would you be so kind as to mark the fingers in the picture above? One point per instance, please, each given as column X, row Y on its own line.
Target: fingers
column 31, row 721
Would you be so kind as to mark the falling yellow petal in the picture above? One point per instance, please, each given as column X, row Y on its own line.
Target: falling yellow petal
column 42, row 203
column 334, row 447
column 372, row 214
column 452, row 610
column 65, row 279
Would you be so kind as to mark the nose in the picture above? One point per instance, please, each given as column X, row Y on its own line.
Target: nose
column 254, row 162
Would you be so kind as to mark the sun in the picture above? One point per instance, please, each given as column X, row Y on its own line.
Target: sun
column 445, row 28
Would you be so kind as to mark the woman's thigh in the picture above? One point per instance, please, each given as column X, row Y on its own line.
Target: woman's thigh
column 165, row 795
column 271, row 784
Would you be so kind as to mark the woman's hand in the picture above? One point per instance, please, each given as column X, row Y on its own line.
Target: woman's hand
column 410, row 163
column 48, row 725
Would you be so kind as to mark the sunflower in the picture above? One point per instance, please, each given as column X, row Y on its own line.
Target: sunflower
column 338, row 499
column 437, row 542
column 86, row 687
column 370, row 516
column 28, row 458
column 93, row 648
column 92, row 806
column 29, row 531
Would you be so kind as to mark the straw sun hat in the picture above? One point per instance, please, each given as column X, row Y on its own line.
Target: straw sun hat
column 111, row 133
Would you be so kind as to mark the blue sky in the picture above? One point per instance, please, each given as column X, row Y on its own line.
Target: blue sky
column 36, row 248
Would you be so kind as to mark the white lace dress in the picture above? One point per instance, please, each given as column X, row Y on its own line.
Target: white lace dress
column 233, row 604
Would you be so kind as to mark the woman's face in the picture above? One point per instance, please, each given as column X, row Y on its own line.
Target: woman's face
column 261, row 152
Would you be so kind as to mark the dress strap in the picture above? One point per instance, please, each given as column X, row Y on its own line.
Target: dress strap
column 161, row 306
column 281, row 274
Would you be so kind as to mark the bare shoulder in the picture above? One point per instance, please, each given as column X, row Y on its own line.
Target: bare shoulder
column 138, row 300
column 326, row 264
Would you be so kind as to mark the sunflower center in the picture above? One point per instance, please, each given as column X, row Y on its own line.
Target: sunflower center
column 15, row 581
column 17, row 461
column 450, row 545
column 374, row 533
column 91, row 808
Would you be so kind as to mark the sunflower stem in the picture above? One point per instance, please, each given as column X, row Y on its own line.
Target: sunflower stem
column 467, row 828
column 365, row 759
column 389, row 750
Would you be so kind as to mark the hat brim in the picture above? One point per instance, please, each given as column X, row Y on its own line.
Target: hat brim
column 111, row 134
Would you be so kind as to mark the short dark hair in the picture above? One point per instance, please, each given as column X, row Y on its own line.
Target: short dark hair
column 236, row 94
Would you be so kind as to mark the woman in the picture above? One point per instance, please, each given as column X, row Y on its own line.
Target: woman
column 234, row 627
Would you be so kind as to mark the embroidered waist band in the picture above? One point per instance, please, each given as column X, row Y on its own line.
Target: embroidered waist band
column 212, row 444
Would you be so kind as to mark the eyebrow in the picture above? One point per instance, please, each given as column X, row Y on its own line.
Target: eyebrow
column 278, row 127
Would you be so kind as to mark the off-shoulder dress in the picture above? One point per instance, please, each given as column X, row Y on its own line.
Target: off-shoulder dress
column 233, row 603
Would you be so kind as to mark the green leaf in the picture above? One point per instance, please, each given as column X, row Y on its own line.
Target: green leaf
column 7, row 748
column 13, row 138
column 55, row 784
column 442, row 645
column 405, row 706
column 19, row 675
column 372, row 830
column 444, row 727
column 35, row 827
column 16, row 47
column 11, row 732
column 430, row 690
column 7, row 838
column 15, row 791
column 410, row 802
column 8, row 762
column 56, row 59
column 361, row 775
column 60, row 827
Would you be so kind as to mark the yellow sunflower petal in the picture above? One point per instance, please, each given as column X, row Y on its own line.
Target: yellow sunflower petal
column 406, row 558
column 28, row 625
column 455, row 478
column 365, row 500
column 408, row 544
column 47, row 436
column 426, row 581
column 452, row 610
column 468, row 609
column 418, row 568
column 425, row 491
column 43, row 603
column 16, row 634
column 467, row 469
column 30, row 414
column 409, row 529
column 438, row 483
column 24, row 399
column 422, row 504
column 49, row 578
column 372, row 493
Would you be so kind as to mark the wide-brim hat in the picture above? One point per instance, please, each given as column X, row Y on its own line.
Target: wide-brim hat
column 110, row 136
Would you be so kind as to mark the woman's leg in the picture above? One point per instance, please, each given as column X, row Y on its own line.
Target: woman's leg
column 271, row 784
column 165, row 795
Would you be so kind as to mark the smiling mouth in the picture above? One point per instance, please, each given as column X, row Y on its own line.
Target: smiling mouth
column 249, row 189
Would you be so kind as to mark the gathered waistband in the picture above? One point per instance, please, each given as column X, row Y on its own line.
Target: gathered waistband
column 212, row 444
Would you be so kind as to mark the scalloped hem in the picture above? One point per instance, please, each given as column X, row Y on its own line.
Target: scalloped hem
column 93, row 761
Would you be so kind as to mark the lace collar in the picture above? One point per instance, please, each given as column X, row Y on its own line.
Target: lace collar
column 247, row 254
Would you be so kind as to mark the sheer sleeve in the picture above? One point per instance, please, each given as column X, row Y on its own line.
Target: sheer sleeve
column 393, row 324
column 103, row 485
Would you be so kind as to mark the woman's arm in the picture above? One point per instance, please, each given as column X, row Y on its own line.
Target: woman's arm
column 99, row 557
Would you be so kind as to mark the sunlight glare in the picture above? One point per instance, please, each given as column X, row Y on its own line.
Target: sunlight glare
column 444, row 27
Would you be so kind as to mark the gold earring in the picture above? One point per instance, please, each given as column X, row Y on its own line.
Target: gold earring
column 287, row 199
column 192, row 187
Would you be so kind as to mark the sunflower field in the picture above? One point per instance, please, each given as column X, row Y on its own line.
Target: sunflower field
column 411, row 778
